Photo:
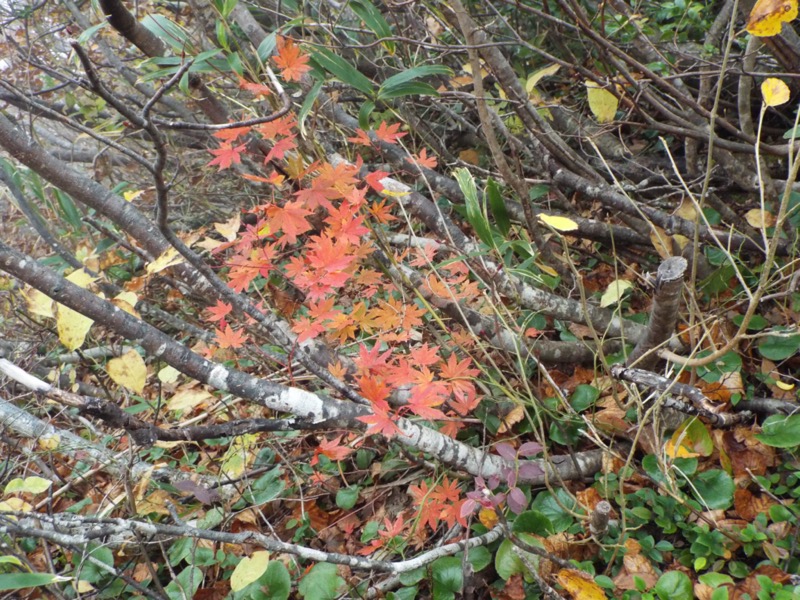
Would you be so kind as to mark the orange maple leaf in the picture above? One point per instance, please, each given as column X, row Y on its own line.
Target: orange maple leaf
column 361, row 138
column 219, row 311
column 231, row 133
column 257, row 89
column 229, row 338
column 226, row 155
column 423, row 160
column 389, row 133
column 290, row 219
column 333, row 449
column 292, row 63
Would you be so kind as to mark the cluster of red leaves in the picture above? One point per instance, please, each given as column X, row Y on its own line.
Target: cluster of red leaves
column 318, row 214
column 439, row 504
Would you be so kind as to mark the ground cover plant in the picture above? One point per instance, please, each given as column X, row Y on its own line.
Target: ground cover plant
column 404, row 300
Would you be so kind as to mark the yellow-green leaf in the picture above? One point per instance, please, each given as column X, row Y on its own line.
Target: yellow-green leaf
column 128, row 371
column 169, row 258
column 559, row 223
column 602, row 103
column 614, row 292
column 774, row 91
column 29, row 485
column 249, row 569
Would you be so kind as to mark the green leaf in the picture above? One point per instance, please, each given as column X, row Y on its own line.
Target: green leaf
column 277, row 581
column 364, row 113
column 308, row 104
column 267, row 47
column 714, row 489
column 169, row 32
column 507, row 562
column 88, row 34
column 412, row 88
column 71, row 213
column 19, row 581
column 413, row 577
column 775, row 347
column 373, row 19
column 479, row 557
column 674, row 585
column 321, row 583
column 404, row 593
column 342, row 70
column 185, row 585
column 715, row 579
column 89, row 571
column 448, row 577
column 475, row 214
column 498, row 206
column 346, row 498
column 780, row 431
column 416, row 73
column 556, row 508
column 533, row 521
column 583, row 397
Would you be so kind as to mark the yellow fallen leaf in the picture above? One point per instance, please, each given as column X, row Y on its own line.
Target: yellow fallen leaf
column 38, row 303
column 784, row 386
column 614, row 292
column 759, row 219
column 189, row 398
column 580, row 585
column 169, row 258
column 773, row 90
column 230, row 228
column 602, row 103
column 128, row 371
column 768, row 16
column 249, row 569
column 558, row 223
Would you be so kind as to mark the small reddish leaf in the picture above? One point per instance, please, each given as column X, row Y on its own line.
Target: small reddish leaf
column 389, row 133
column 292, row 63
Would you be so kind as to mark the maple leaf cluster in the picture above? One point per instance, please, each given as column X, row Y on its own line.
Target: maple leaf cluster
column 441, row 503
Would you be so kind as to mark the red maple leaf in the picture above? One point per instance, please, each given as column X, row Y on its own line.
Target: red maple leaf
column 374, row 180
column 229, row 338
column 389, row 133
column 282, row 126
column 226, row 155
column 257, row 89
column 424, row 399
column 381, row 421
column 333, row 449
column 425, row 355
column 280, row 148
column 231, row 133
column 290, row 219
column 292, row 63
column 343, row 223
column 218, row 312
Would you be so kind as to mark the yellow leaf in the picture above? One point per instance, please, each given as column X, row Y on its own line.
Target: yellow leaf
column 249, row 569
column 678, row 451
column 188, row 398
column 580, row 585
column 558, row 223
column 768, row 16
column 72, row 327
column 128, row 371
column 661, row 242
column 168, row 374
column 759, row 218
column 602, row 103
column 240, row 453
column 614, row 292
column 784, row 386
column 488, row 517
column 230, row 228
column 38, row 303
column 127, row 301
column 131, row 195
column 82, row 586
column 774, row 91
column 49, row 441
column 169, row 258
